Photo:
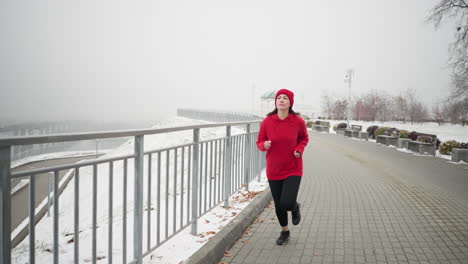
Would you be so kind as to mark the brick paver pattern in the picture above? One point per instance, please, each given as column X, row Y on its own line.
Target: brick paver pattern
column 354, row 211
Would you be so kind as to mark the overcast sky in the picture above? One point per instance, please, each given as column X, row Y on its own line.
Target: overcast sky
column 143, row 59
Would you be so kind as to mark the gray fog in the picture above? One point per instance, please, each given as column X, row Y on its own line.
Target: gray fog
column 141, row 60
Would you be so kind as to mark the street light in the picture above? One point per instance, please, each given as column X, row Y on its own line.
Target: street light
column 348, row 77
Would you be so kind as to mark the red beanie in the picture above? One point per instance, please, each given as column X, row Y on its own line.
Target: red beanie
column 286, row 92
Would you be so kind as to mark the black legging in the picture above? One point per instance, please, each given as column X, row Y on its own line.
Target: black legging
column 284, row 194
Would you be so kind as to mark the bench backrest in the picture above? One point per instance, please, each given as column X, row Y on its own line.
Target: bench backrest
column 392, row 132
column 433, row 138
column 356, row 127
column 324, row 123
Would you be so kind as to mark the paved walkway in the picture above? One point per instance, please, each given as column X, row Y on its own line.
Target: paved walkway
column 360, row 207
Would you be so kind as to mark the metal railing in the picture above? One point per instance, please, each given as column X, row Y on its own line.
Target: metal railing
column 187, row 180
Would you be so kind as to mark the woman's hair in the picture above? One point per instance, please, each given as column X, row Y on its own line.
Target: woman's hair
column 291, row 111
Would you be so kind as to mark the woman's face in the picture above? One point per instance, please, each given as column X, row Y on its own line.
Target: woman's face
column 282, row 102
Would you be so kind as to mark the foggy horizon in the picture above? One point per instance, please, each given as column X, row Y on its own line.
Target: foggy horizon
column 141, row 61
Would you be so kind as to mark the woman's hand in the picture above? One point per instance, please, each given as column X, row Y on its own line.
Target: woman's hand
column 297, row 154
column 267, row 144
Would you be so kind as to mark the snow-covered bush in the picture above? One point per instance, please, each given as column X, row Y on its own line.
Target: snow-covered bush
column 403, row 133
column 342, row 125
column 413, row 135
column 339, row 126
column 425, row 139
column 391, row 131
column 380, row 131
column 446, row 147
column 371, row 131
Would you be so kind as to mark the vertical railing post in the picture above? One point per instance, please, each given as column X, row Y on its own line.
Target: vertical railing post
column 96, row 154
column 77, row 216
column 247, row 158
column 196, row 146
column 32, row 214
column 50, row 175
column 138, row 202
column 5, row 205
column 227, row 168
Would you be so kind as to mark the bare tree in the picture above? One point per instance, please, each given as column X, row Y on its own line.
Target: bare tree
column 358, row 109
column 452, row 111
column 412, row 104
column 383, row 105
column 420, row 112
column 457, row 112
column 392, row 114
column 448, row 112
column 339, row 109
column 456, row 10
column 438, row 114
column 327, row 104
column 370, row 106
column 400, row 108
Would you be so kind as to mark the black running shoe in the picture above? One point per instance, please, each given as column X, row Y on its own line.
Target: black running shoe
column 296, row 214
column 283, row 239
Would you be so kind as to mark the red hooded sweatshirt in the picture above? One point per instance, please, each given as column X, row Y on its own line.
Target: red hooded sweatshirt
column 287, row 135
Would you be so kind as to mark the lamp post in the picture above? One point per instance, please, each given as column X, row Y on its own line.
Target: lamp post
column 348, row 77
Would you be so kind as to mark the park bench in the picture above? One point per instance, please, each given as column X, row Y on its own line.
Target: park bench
column 354, row 131
column 424, row 143
column 364, row 135
column 340, row 131
column 459, row 154
column 403, row 142
column 389, row 140
column 323, row 126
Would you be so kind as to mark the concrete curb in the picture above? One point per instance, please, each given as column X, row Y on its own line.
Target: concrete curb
column 214, row 249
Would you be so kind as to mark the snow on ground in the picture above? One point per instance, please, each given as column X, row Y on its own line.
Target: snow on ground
column 183, row 245
column 444, row 132
column 165, row 254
